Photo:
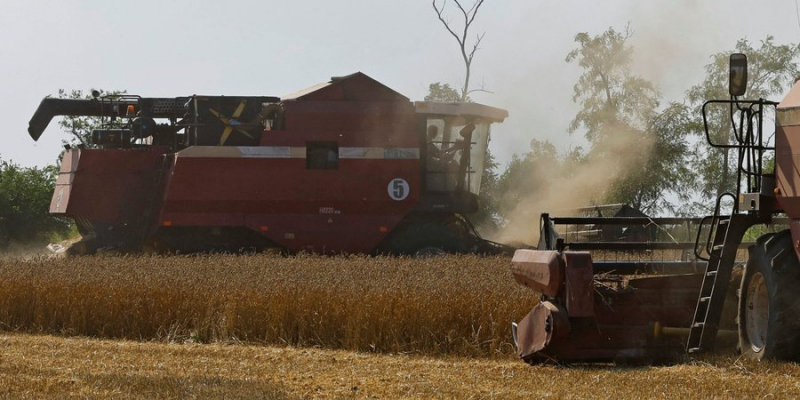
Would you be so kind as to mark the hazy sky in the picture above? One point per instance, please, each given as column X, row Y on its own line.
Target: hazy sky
column 179, row 48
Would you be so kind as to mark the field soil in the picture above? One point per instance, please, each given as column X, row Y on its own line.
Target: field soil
column 41, row 366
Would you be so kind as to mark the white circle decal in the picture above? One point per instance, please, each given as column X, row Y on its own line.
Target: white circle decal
column 398, row 189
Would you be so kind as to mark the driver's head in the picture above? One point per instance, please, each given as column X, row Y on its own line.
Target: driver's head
column 467, row 130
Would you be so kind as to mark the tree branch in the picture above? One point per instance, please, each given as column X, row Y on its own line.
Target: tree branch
column 441, row 18
column 469, row 17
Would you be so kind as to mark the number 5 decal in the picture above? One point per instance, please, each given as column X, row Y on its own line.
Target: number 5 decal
column 398, row 189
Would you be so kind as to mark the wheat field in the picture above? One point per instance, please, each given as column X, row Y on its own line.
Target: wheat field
column 298, row 327
column 460, row 305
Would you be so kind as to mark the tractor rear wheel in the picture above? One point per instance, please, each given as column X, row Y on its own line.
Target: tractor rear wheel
column 769, row 301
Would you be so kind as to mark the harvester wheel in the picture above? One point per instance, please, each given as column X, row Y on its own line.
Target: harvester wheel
column 428, row 239
column 769, row 304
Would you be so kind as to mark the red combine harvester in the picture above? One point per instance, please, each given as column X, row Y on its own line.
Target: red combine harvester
column 348, row 166
column 611, row 300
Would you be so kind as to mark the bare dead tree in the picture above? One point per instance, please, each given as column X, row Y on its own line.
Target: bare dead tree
column 469, row 18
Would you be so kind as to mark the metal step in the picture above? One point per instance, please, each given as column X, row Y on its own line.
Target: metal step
column 710, row 302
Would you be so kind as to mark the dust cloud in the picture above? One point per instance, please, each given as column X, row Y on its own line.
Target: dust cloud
column 571, row 184
column 670, row 48
column 17, row 251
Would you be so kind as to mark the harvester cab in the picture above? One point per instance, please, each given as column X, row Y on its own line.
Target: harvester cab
column 456, row 137
column 346, row 166
column 683, row 290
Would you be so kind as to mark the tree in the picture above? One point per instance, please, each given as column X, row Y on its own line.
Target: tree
column 81, row 127
column 528, row 177
column 467, row 51
column 25, row 195
column 620, row 119
column 610, row 95
column 771, row 70
column 444, row 93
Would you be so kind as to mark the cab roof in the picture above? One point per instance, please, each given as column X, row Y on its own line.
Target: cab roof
column 353, row 87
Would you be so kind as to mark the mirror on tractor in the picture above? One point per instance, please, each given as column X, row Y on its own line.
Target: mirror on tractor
column 738, row 74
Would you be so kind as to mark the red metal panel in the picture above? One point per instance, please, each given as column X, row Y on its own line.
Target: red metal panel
column 69, row 163
column 787, row 165
column 325, row 233
column 108, row 186
column 348, row 123
column 357, row 86
column 244, row 185
column 542, row 271
column 580, row 292
column 284, row 196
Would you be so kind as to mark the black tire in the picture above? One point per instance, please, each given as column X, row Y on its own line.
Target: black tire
column 769, row 300
column 425, row 240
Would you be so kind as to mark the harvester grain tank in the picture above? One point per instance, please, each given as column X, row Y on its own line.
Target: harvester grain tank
column 600, row 309
column 347, row 166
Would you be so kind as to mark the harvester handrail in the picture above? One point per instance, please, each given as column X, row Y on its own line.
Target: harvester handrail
column 623, row 220
column 738, row 137
column 713, row 226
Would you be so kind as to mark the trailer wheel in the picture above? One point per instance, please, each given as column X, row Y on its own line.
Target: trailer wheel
column 769, row 303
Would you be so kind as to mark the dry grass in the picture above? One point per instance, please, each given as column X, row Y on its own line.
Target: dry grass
column 449, row 305
column 54, row 367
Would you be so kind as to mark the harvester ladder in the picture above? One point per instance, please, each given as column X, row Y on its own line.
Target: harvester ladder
column 727, row 233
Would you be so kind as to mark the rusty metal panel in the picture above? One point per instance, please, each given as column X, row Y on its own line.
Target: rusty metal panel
column 60, row 198
column 539, row 270
column 787, row 152
column 538, row 329
column 579, row 277
column 623, row 327
column 787, row 162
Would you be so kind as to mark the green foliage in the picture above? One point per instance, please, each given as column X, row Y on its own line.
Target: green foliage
column 528, row 174
column 665, row 169
column 25, row 195
column 771, row 70
column 81, row 127
column 443, row 93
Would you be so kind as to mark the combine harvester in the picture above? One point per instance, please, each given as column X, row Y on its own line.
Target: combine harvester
column 596, row 309
column 347, row 166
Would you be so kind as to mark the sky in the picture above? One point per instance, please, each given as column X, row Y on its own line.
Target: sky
column 272, row 48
